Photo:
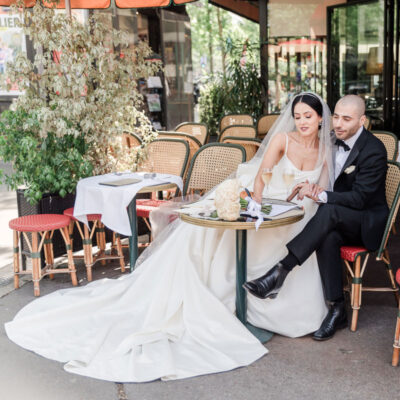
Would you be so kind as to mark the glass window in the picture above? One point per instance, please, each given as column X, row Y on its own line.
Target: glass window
column 12, row 42
column 357, row 55
column 127, row 20
column 177, row 67
column 297, row 49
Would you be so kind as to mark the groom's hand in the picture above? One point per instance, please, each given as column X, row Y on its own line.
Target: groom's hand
column 312, row 190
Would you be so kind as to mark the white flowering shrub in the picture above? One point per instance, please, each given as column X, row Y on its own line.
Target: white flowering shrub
column 79, row 86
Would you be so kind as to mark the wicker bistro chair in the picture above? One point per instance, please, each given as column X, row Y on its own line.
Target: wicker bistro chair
column 242, row 131
column 391, row 143
column 199, row 131
column 41, row 227
column 213, row 163
column 235, row 119
column 193, row 143
column 130, row 140
column 396, row 344
column 251, row 145
column 87, row 236
column 356, row 258
column 264, row 124
column 166, row 156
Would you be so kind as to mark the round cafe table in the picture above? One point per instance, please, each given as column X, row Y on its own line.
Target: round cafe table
column 241, row 226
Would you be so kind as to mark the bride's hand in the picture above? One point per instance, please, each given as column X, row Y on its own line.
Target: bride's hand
column 297, row 189
column 311, row 190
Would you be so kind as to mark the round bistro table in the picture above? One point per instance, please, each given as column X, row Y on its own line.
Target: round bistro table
column 241, row 227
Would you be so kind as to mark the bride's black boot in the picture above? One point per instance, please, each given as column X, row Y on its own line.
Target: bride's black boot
column 268, row 285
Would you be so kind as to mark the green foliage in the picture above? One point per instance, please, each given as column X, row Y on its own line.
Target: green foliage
column 238, row 93
column 80, row 95
column 210, row 31
column 212, row 104
column 47, row 165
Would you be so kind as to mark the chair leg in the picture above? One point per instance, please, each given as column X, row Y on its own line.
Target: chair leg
column 71, row 265
column 120, row 252
column 71, row 234
column 114, row 249
column 16, row 259
column 88, row 252
column 389, row 270
column 147, row 222
column 48, row 251
column 356, row 291
column 101, row 240
column 396, row 344
column 35, row 264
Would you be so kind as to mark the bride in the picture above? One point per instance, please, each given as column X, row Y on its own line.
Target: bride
column 173, row 317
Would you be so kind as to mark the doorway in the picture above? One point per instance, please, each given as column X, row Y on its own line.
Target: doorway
column 356, row 55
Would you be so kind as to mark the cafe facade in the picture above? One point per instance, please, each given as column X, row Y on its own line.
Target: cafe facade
column 332, row 47
column 168, row 96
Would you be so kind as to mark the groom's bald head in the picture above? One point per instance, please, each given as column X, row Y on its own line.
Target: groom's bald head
column 349, row 116
column 354, row 102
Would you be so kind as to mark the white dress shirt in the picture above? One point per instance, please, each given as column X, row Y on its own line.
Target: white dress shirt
column 340, row 159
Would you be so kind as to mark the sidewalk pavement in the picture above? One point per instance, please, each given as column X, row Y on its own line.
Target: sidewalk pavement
column 352, row 365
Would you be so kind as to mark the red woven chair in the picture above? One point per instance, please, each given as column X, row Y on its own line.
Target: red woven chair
column 356, row 258
column 41, row 227
column 89, row 258
column 396, row 344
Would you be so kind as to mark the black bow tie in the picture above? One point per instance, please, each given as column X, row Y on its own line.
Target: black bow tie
column 339, row 142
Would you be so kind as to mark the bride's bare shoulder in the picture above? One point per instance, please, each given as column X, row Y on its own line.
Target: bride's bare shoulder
column 279, row 139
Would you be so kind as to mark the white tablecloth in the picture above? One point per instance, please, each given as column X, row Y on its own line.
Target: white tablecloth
column 112, row 201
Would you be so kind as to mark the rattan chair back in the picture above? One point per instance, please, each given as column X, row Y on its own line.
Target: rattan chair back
column 251, row 145
column 391, row 143
column 235, row 119
column 199, row 131
column 166, row 156
column 193, row 143
column 242, row 131
column 130, row 140
column 393, row 200
column 212, row 164
column 265, row 123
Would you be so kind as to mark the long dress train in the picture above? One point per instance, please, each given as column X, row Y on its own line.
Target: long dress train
column 173, row 317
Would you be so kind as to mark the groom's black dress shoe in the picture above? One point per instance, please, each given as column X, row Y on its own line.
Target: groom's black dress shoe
column 268, row 285
column 335, row 319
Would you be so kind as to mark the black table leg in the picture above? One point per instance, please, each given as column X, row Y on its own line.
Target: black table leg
column 241, row 295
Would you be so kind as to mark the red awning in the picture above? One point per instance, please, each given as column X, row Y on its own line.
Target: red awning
column 106, row 3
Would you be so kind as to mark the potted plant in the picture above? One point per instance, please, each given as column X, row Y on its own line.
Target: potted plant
column 79, row 96
column 235, row 92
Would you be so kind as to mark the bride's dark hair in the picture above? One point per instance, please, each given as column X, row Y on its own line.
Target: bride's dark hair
column 310, row 100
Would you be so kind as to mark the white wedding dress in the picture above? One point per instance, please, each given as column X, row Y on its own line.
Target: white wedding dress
column 173, row 317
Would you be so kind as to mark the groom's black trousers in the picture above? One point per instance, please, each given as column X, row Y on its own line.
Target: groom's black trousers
column 331, row 227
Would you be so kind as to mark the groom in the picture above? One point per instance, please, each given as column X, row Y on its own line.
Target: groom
column 354, row 213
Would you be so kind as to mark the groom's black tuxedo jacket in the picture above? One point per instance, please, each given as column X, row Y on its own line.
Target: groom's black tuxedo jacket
column 361, row 186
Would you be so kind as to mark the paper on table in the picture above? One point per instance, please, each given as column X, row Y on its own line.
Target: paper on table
column 277, row 209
